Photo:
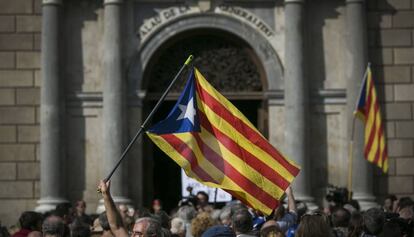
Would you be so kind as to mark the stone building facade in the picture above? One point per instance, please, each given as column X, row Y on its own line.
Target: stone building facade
column 77, row 78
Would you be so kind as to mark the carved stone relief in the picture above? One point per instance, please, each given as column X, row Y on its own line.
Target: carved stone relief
column 227, row 65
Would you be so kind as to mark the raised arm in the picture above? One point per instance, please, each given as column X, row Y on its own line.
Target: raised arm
column 114, row 217
column 291, row 200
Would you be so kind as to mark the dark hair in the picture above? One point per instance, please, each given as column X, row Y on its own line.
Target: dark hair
column 79, row 229
column 4, row 232
column 405, row 202
column 103, row 221
column 392, row 197
column 314, row 225
column 356, row 225
column 391, row 229
column 62, row 209
column 204, row 194
column 242, row 221
column 30, row 220
column 163, row 218
column 374, row 219
column 340, row 217
column 53, row 225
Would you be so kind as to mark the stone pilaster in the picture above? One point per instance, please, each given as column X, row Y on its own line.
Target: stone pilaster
column 296, row 98
column 114, row 101
column 52, row 110
column 356, row 63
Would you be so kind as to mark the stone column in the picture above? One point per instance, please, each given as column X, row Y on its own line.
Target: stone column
column 52, row 110
column 296, row 98
column 114, row 101
column 356, row 63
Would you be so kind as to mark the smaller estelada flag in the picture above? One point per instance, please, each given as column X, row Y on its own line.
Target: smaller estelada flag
column 368, row 109
column 215, row 144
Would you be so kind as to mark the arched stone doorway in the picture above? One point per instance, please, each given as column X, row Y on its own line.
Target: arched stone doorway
column 228, row 63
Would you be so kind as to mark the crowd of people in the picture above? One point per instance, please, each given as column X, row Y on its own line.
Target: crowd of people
column 196, row 217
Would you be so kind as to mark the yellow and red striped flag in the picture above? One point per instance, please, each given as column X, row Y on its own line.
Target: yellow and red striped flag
column 215, row 144
column 368, row 109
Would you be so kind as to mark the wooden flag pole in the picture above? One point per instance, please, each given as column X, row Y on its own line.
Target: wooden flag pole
column 351, row 142
column 350, row 160
column 142, row 127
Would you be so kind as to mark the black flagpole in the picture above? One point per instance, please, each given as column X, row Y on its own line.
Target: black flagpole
column 186, row 63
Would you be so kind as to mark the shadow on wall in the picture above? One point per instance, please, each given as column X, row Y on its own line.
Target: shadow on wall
column 379, row 15
column 317, row 14
column 76, row 13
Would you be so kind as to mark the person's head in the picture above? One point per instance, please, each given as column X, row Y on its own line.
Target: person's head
column 242, row 221
column 142, row 212
column 147, row 227
column 156, row 205
column 301, row 209
column 225, row 216
column 404, row 202
column 30, row 220
column 219, row 231
column 279, row 212
column 65, row 211
column 313, row 225
column 187, row 213
column 177, row 227
column 53, row 226
column 271, row 231
column 202, row 198
column 373, row 220
column 79, row 229
column 340, row 217
column 389, row 202
column 356, row 224
column 163, row 218
column 123, row 210
column 80, row 207
column 103, row 221
column 391, row 229
column 200, row 223
column 4, row 232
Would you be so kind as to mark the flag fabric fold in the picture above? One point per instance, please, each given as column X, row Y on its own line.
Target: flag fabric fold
column 215, row 144
column 368, row 110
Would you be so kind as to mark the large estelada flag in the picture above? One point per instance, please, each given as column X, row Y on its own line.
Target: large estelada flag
column 215, row 144
column 368, row 110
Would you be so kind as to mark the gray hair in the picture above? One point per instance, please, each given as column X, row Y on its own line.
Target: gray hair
column 187, row 213
column 53, row 226
column 153, row 227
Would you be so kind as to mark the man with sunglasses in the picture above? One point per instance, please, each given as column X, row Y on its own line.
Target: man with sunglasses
column 143, row 227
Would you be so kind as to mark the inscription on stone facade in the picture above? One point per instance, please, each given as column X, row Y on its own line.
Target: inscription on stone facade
column 169, row 14
column 248, row 16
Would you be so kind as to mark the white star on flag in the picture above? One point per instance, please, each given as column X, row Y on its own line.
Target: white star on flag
column 187, row 111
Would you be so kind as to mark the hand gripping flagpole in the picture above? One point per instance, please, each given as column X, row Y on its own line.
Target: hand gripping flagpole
column 162, row 98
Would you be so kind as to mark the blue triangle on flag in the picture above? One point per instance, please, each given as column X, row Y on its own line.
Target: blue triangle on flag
column 183, row 116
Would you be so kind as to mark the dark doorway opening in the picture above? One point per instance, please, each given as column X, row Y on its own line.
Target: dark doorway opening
column 165, row 178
